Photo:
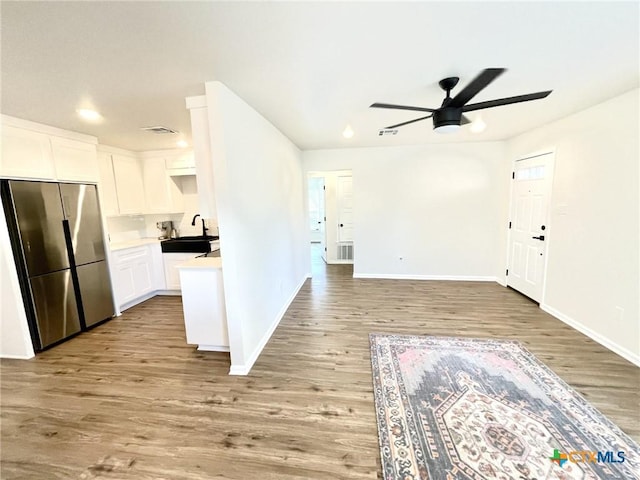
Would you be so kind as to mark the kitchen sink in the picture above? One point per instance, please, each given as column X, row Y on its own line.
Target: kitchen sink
column 196, row 237
column 191, row 244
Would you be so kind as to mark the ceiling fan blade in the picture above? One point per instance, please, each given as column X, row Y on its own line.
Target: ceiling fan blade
column 485, row 77
column 464, row 120
column 506, row 101
column 401, row 107
column 410, row 121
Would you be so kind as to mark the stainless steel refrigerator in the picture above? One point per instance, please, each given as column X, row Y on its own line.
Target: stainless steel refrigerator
column 57, row 240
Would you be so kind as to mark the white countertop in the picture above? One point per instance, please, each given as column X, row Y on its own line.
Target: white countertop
column 214, row 263
column 138, row 242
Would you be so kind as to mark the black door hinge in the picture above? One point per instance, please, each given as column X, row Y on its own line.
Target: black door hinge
column 507, row 272
column 509, row 224
column 513, row 174
column 325, row 249
column 324, row 187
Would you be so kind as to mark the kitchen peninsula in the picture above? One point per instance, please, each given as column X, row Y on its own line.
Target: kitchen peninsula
column 205, row 316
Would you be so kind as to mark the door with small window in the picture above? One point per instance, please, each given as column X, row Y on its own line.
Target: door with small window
column 529, row 224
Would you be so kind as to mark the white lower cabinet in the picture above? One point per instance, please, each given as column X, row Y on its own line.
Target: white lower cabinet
column 133, row 274
column 171, row 272
column 205, row 315
column 159, row 282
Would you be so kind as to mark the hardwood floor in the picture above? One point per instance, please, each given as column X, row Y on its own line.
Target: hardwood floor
column 130, row 400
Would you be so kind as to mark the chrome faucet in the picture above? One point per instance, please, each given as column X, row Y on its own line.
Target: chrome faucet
column 204, row 228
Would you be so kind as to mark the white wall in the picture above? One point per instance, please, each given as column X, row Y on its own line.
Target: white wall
column 594, row 233
column 259, row 189
column 439, row 207
column 15, row 341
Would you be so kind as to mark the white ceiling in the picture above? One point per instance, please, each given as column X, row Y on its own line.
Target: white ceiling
column 310, row 67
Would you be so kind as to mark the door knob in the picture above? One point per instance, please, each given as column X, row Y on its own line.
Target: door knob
column 541, row 237
column 342, row 225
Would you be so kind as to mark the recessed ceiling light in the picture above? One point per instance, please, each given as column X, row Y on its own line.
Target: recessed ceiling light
column 89, row 115
column 348, row 132
column 182, row 144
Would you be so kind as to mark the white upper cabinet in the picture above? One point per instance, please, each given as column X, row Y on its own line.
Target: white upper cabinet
column 162, row 192
column 75, row 161
column 127, row 172
column 26, row 154
column 184, row 160
column 131, row 185
column 202, row 154
column 34, row 151
column 107, row 185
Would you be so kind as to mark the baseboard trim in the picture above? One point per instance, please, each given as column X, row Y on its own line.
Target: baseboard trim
column 593, row 335
column 457, row 278
column 213, row 348
column 238, row 370
column 17, row 357
column 246, row 368
column 138, row 300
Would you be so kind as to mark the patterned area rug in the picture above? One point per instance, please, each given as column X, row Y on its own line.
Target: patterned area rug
column 455, row 408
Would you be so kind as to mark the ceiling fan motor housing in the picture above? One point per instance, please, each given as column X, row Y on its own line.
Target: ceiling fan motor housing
column 447, row 116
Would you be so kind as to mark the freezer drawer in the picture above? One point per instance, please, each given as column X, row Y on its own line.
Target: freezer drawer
column 54, row 301
column 95, row 291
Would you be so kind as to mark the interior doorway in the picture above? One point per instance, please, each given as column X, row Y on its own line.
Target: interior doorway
column 330, row 200
column 529, row 224
column 317, row 218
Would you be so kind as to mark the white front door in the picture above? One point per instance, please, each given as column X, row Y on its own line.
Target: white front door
column 529, row 232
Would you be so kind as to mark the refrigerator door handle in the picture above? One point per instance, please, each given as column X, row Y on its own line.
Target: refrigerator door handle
column 67, row 239
column 74, row 272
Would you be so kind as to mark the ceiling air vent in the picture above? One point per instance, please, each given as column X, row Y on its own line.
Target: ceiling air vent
column 159, row 129
column 387, row 131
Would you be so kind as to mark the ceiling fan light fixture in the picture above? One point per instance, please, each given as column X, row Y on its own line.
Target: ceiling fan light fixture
column 446, row 128
column 447, row 120
column 450, row 115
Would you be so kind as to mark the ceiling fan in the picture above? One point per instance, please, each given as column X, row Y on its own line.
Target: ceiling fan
column 450, row 116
